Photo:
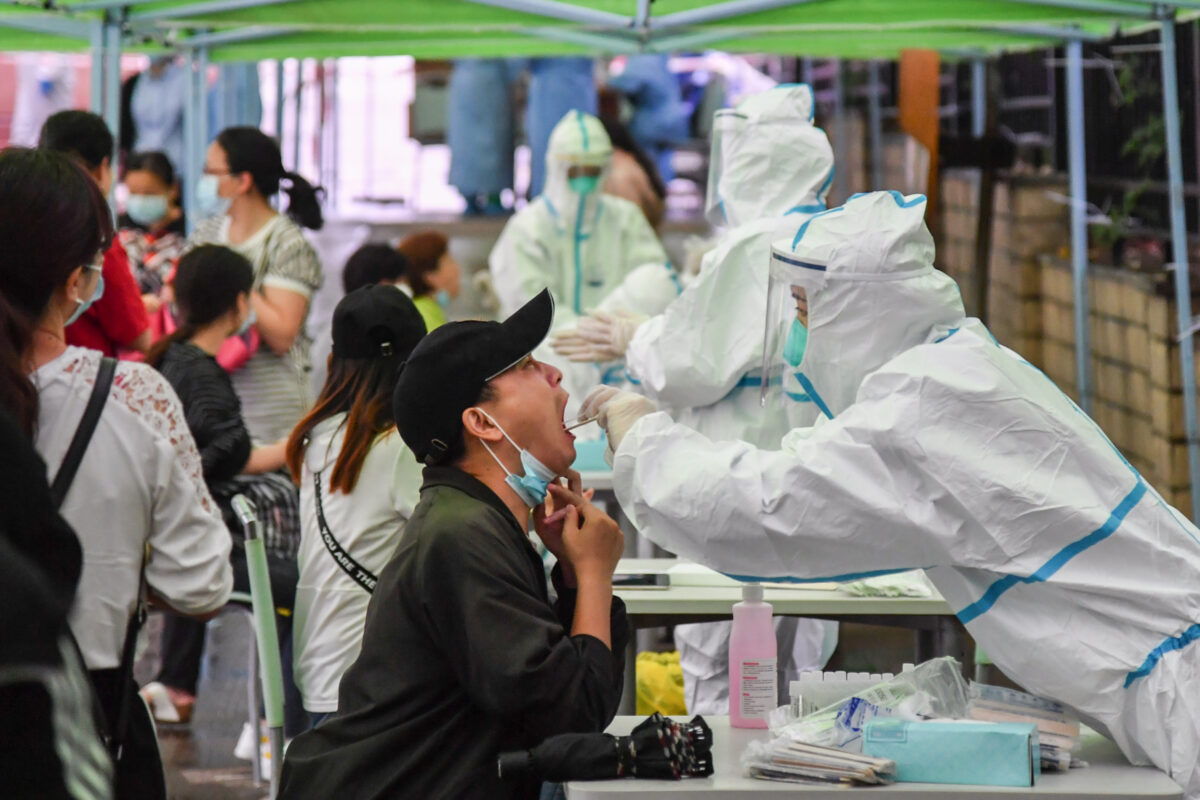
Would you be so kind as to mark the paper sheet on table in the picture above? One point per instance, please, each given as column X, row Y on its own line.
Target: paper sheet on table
column 686, row 573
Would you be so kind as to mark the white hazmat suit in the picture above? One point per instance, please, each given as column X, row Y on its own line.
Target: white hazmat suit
column 701, row 358
column 949, row 452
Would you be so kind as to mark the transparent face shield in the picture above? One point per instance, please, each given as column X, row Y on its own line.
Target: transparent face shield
column 727, row 126
column 794, row 283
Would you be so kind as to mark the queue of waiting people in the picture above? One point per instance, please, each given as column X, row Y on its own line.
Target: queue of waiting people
column 150, row 376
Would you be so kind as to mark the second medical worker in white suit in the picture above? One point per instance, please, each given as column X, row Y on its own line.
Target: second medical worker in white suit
column 770, row 171
column 573, row 239
column 949, row 452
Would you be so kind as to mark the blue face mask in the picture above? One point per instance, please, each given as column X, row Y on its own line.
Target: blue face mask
column 247, row 323
column 797, row 341
column 146, row 209
column 208, row 201
column 442, row 297
column 584, row 184
column 530, row 487
column 84, row 305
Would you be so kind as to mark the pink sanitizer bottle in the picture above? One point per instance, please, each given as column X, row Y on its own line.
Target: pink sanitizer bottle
column 753, row 682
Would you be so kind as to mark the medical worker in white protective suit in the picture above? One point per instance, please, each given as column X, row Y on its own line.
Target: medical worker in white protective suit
column 573, row 239
column 949, row 452
column 770, row 171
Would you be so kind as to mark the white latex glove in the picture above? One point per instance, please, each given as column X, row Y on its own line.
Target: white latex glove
column 616, row 411
column 601, row 336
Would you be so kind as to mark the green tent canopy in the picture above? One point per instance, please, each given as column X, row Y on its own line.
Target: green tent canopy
column 238, row 30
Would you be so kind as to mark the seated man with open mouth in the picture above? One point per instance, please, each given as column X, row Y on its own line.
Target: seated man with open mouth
column 464, row 656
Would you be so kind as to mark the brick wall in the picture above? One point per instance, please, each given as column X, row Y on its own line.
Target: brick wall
column 1137, row 397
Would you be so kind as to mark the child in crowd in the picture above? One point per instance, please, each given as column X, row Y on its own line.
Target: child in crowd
column 358, row 483
column 212, row 287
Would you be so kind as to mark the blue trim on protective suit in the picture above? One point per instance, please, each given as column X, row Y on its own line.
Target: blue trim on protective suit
column 897, row 196
column 813, row 394
column 798, row 263
column 811, row 208
column 804, row 228
column 582, row 129
column 1059, row 560
column 947, row 336
column 824, row 190
column 578, row 255
column 1179, row 642
column 614, row 375
column 812, row 109
column 854, row 576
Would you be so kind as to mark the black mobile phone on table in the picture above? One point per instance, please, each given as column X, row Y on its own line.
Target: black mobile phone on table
column 641, row 580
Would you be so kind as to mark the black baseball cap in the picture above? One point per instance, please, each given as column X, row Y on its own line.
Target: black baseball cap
column 447, row 370
column 376, row 322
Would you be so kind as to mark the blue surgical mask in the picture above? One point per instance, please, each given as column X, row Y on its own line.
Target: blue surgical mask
column 84, row 305
column 442, row 296
column 530, row 487
column 247, row 323
column 146, row 209
column 208, row 201
column 584, row 184
column 797, row 341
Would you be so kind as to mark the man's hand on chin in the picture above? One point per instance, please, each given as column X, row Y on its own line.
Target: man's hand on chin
column 548, row 518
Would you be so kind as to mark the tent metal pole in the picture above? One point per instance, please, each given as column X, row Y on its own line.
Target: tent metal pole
column 200, row 9
column 876, row 125
column 609, row 43
column 53, row 25
column 191, row 170
column 642, row 20
column 841, row 139
column 1077, row 167
column 279, row 100
column 720, row 11
column 1130, row 9
column 978, row 97
column 1179, row 247
column 565, row 12
column 96, row 92
column 249, row 33
column 299, row 106
column 112, row 94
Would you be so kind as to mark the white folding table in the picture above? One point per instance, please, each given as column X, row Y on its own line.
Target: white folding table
column 1109, row 777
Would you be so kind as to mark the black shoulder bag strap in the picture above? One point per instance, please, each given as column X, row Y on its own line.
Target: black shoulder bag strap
column 58, row 491
column 83, row 434
column 357, row 572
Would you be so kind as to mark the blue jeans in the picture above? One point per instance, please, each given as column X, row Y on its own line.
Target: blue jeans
column 318, row 717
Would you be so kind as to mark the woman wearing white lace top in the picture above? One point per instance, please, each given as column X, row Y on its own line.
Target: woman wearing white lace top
column 138, row 501
column 242, row 172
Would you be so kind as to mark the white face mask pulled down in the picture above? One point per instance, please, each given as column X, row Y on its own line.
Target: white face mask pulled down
column 532, row 486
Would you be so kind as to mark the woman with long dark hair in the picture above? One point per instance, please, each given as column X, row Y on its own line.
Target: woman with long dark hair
column 138, row 501
column 212, row 298
column 358, row 485
column 242, row 172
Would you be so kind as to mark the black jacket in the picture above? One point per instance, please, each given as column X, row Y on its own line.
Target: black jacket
column 212, row 409
column 463, row 657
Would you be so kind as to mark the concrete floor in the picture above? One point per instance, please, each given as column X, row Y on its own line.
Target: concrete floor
column 198, row 757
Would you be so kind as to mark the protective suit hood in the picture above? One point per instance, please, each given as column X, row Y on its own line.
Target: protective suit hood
column 872, row 291
column 578, row 139
column 768, row 158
